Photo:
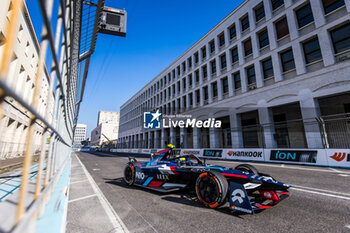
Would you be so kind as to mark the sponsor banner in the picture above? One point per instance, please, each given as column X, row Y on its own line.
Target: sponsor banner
column 146, row 151
column 133, row 150
column 212, row 153
column 114, row 150
column 296, row 156
column 338, row 157
column 244, row 154
column 196, row 152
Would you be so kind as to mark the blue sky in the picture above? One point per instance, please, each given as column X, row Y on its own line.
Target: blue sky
column 158, row 31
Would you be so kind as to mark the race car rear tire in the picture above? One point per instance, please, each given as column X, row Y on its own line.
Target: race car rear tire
column 211, row 189
column 247, row 168
column 129, row 174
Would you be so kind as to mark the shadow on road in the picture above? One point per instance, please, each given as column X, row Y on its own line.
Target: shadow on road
column 184, row 197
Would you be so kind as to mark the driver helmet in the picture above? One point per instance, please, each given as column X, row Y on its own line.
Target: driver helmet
column 171, row 146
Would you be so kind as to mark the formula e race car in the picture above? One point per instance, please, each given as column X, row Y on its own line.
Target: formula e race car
column 246, row 189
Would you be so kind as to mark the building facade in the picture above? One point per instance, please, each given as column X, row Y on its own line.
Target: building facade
column 79, row 135
column 21, row 78
column 275, row 72
column 107, row 128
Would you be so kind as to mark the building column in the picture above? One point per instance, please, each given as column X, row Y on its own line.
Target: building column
column 318, row 13
column 196, row 135
column 220, row 91
column 292, row 24
column 266, row 121
column 163, row 138
column 183, row 138
column 309, row 111
column 259, row 75
column 201, row 92
column 236, row 131
column 268, row 9
column 210, row 93
column 326, row 46
column 241, row 59
column 277, row 67
column 172, row 136
column 194, row 103
column 182, row 104
column 255, row 46
column 156, row 137
column 231, row 91
column 300, row 62
column 347, row 4
column 271, row 31
column 244, row 81
column 214, row 137
column 251, row 17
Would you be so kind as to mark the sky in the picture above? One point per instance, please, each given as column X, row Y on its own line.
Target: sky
column 158, row 32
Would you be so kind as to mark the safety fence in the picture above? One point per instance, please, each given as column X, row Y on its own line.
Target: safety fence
column 38, row 102
column 318, row 157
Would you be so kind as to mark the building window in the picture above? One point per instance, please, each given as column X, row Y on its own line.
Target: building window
column 237, row 80
column 196, row 74
column 196, row 59
column 223, row 61
column 184, row 101
column 205, row 72
column 287, row 60
column 276, row 3
column 198, row 96
column 267, row 68
column 221, row 38
column 178, row 71
column 259, row 13
column 205, row 90
column 204, row 52
column 189, row 61
column 184, row 84
column 251, row 75
column 214, row 87
column 234, row 55
column 190, row 80
column 224, row 83
column 304, row 15
column 184, row 67
column 312, row 51
column 282, row 28
column 245, row 23
column 190, row 99
column 331, row 5
column 178, row 87
column 341, row 38
column 232, row 31
column 263, row 39
column 213, row 66
column 212, row 46
column 248, row 47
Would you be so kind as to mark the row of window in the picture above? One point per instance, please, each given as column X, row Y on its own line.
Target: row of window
column 311, row 47
column 304, row 16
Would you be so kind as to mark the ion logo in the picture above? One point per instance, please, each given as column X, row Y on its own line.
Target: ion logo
column 140, row 175
column 151, row 120
column 338, row 156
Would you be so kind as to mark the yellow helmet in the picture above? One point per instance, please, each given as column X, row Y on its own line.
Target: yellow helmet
column 171, row 146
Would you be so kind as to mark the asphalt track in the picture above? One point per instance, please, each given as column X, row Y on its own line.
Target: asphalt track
column 319, row 201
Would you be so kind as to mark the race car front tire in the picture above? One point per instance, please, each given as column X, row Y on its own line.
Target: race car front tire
column 211, row 189
column 247, row 168
column 129, row 174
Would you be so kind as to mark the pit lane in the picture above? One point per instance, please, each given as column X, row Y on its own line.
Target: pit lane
column 319, row 201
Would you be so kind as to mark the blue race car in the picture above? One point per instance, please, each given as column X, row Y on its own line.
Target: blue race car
column 246, row 189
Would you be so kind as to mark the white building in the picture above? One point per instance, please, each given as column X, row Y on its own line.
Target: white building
column 14, row 124
column 107, row 128
column 79, row 135
column 268, row 71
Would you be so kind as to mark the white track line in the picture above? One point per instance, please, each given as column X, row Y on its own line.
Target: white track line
column 321, row 190
column 117, row 223
column 319, row 193
column 82, row 198
column 79, row 181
